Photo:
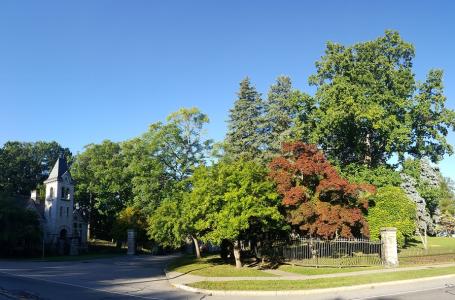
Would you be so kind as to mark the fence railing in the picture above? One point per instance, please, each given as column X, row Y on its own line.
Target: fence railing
column 337, row 252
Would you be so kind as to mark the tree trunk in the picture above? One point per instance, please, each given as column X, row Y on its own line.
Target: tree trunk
column 196, row 247
column 238, row 262
column 423, row 238
column 367, row 158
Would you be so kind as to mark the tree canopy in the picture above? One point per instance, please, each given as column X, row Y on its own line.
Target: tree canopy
column 317, row 200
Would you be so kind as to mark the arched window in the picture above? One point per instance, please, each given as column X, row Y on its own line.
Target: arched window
column 51, row 193
column 63, row 193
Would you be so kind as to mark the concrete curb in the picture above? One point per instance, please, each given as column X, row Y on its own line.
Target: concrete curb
column 305, row 292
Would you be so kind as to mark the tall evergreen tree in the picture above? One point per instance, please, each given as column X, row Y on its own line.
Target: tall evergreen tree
column 279, row 114
column 245, row 131
column 287, row 116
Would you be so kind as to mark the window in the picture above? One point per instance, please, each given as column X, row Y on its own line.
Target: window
column 61, row 211
column 63, row 193
column 50, row 211
column 67, row 211
column 51, row 193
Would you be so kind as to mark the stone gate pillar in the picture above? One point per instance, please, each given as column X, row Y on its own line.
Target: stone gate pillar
column 131, row 242
column 389, row 246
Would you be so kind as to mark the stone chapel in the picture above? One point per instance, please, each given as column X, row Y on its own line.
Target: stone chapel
column 64, row 225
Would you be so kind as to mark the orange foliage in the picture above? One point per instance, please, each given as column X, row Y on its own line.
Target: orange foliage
column 318, row 201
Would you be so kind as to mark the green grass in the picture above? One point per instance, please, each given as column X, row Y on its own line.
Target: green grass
column 440, row 250
column 212, row 266
column 435, row 245
column 274, row 285
column 322, row 270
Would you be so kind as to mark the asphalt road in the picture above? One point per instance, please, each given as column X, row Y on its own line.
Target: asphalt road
column 143, row 278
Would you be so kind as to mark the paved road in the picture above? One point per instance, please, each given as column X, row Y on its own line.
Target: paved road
column 113, row 278
column 143, row 278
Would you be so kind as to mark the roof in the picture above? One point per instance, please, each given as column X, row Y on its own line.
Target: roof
column 28, row 203
column 59, row 169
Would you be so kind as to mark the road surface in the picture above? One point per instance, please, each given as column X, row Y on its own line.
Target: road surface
column 142, row 277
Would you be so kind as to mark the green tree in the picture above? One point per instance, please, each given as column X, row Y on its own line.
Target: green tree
column 369, row 106
column 241, row 198
column 286, row 116
column 392, row 209
column 160, row 161
column 24, row 166
column 245, row 136
column 431, row 120
column 103, row 187
column 380, row 176
column 19, row 227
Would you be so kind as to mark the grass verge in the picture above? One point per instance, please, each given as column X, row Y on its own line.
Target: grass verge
column 322, row 270
column 275, row 285
column 212, row 266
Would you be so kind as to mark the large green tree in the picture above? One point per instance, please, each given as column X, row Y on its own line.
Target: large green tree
column 431, row 120
column 286, row 116
column 24, row 166
column 370, row 107
column 244, row 199
column 103, row 187
column 245, row 136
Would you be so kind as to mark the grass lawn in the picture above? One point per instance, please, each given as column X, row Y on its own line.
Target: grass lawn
column 212, row 266
column 440, row 250
column 436, row 245
column 274, row 285
column 323, row 270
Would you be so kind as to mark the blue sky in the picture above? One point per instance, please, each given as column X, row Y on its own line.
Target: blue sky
column 83, row 71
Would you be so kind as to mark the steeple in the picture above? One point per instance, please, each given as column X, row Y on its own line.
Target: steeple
column 60, row 168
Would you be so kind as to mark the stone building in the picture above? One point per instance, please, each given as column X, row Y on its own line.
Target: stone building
column 63, row 224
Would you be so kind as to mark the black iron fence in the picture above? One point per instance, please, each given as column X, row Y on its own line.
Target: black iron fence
column 337, row 252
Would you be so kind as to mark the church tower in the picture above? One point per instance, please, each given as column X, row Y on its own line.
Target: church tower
column 59, row 203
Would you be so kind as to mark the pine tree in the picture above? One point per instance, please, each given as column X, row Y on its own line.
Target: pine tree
column 279, row 115
column 245, row 129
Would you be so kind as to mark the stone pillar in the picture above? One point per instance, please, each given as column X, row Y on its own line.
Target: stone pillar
column 131, row 242
column 389, row 246
column 74, row 247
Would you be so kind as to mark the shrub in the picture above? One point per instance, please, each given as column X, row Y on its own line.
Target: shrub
column 392, row 208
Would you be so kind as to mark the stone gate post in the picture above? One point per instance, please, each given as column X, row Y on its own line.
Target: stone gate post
column 389, row 246
column 131, row 242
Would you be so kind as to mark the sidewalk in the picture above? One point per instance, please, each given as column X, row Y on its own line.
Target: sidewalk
column 178, row 279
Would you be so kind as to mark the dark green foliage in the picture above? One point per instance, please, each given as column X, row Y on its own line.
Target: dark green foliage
column 23, row 166
column 20, row 232
column 286, row 116
column 379, row 176
column 245, row 136
column 392, row 208
column 431, row 120
column 103, row 187
column 370, row 107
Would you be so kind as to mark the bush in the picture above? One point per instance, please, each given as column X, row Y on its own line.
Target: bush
column 20, row 232
column 392, row 208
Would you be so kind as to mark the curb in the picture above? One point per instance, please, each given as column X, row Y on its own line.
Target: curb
column 305, row 292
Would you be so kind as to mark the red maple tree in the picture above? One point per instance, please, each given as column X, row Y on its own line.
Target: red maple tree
column 317, row 200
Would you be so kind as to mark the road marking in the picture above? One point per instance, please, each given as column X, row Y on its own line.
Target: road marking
column 79, row 286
